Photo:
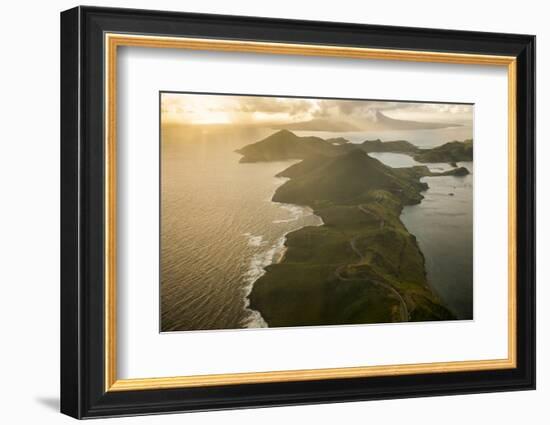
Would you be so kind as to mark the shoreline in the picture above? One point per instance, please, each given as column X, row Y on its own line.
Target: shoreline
column 433, row 276
column 273, row 254
column 432, row 288
column 360, row 266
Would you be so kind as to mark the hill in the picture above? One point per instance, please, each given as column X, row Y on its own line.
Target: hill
column 451, row 152
column 362, row 265
column 284, row 145
column 305, row 166
column 397, row 146
column 344, row 178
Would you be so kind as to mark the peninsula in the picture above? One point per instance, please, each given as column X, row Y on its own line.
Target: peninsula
column 361, row 265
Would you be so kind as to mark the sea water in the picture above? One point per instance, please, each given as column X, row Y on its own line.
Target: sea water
column 219, row 227
column 443, row 226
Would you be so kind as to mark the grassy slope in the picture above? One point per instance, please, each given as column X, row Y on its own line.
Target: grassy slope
column 362, row 265
column 449, row 152
column 399, row 146
column 286, row 145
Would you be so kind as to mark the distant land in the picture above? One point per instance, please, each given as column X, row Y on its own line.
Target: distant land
column 361, row 265
column 397, row 146
column 284, row 145
column 382, row 122
column 451, row 152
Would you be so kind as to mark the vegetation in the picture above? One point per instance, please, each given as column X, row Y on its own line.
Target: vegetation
column 400, row 146
column 451, row 152
column 284, row 145
column 361, row 265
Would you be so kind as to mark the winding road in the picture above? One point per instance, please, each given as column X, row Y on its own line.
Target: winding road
column 403, row 310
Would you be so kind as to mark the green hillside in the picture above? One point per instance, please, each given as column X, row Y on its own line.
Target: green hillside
column 450, row 152
column 284, row 145
column 344, row 178
column 361, row 265
column 398, row 146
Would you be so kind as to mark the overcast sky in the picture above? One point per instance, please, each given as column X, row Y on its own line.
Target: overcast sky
column 322, row 114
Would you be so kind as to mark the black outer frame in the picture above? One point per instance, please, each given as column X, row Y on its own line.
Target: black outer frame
column 82, row 219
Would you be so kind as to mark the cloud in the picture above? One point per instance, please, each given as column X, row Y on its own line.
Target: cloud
column 274, row 105
column 319, row 124
column 287, row 112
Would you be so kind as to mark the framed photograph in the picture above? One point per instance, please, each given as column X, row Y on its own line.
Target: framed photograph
column 261, row 212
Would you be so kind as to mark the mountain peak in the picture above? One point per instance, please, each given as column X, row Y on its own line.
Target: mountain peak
column 284, row 131
column 282, row 134
column 284, row 145
column 338, row 179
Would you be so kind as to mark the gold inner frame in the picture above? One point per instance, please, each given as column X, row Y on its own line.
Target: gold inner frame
column 113, row 41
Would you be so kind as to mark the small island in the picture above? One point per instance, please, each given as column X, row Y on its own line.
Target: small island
column 361, row 265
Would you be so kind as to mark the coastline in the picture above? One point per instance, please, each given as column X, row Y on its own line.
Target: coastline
column 432, row 287
column 273, row 254
column 452, row 282
column 360, row 266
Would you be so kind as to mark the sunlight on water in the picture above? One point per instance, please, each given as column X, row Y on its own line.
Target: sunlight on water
column 219, row 228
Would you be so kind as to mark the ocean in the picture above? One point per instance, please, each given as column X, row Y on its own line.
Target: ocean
column 219, row 228
column 443, row 226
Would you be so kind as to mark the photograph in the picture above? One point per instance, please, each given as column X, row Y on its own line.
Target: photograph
column 279, row 211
